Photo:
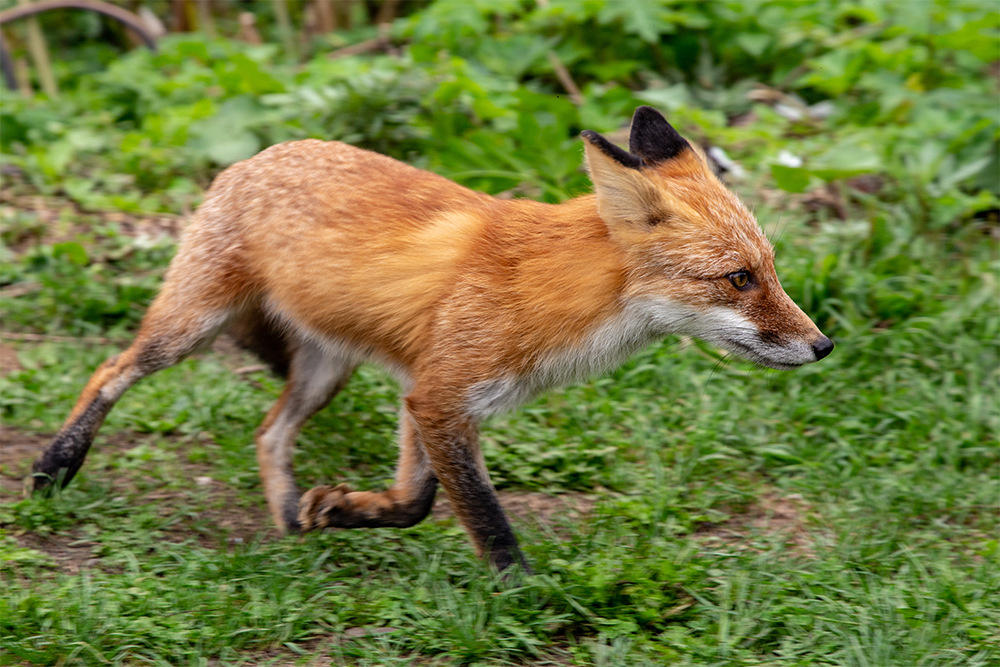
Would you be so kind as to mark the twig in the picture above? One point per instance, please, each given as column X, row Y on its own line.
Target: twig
column 345, row 8
column 387, row 12
column 23, row 76
column 284, row 26
column 152, row 22
column 130, row 20
column 248, row 29
column 46, row 338
column 373, row 44
column 40, row 55
column 205, row 21
column 180, row 18
column 325, row 16
column 565, row 79
column 250, row 369
column 19, row 289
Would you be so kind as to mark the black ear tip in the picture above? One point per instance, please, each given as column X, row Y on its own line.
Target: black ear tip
column 620, row 156
column 653, row 138
column 646, row 113
column 649, row 119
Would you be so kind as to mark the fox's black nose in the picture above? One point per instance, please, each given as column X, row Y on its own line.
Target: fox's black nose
column 822, row 347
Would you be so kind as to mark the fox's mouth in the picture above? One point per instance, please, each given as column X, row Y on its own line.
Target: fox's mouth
column 752, row 354
column 732, row 331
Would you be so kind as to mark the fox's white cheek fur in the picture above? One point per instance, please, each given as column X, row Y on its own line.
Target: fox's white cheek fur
column 731, row 331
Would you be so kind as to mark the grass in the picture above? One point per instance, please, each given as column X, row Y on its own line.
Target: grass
column 843, row 514
column 685, row 509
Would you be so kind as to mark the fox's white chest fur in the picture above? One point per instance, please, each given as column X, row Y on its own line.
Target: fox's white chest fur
column 605, row 348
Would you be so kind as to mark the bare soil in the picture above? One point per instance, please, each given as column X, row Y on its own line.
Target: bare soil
column 531, row 507
column 8, row 359
column 50, row 223
column 233, row 520
column 772, row 515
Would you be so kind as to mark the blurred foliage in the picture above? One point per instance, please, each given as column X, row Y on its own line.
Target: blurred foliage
column 473, row 94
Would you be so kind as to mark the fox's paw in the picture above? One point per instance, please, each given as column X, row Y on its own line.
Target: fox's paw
column 319, row 505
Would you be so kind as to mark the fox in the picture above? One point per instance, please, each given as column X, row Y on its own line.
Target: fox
column 319, row 256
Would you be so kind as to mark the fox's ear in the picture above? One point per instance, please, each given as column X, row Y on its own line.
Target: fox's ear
column 625, row 195
column 653, row 139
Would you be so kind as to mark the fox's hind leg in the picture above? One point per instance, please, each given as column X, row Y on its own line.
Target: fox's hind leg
column 314, row 378
column 178, row 323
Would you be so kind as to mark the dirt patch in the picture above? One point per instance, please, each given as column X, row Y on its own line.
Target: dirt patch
column 993, row 70
column 209, row 509
column 234, row 357
column 231, row 520
column 29, row 219
column 69, row 553
column 323, row 652
column 773, row 515
column 222, row 516
column 8, row 360
column 531, row 507
column 18, row 450
column 243, row 523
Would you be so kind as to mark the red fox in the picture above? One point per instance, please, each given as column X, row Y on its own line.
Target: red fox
column 321, row 255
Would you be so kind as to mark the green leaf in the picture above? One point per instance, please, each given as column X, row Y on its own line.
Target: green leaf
column 964, row 172
column 227, row 149
column 253, row 78
column 782, row 453
column 979, row 37
column 644, row 18
column 790, row 179
column 225, row 138
column 847, row 158
column 74, row 251
column 753, row 43
column 836, row 174
column 670, row 98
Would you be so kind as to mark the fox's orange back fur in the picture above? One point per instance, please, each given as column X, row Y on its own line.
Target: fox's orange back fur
column 332, row 255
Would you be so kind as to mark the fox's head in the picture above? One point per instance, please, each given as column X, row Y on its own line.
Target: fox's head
column 698, row 262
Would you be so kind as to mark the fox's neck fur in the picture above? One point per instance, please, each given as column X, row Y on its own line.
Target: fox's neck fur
column 557, row 263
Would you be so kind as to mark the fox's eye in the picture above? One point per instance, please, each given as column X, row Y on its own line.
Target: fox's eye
column 740, row 279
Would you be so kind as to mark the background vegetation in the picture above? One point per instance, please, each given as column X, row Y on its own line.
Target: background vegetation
column 843, row 514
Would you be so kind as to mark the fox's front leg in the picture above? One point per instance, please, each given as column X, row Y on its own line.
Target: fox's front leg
column 435, row 445
column 451, row 440
column 404, row 504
